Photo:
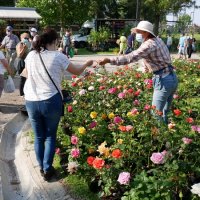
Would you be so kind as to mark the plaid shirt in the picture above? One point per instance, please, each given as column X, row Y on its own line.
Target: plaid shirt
column 154, row 52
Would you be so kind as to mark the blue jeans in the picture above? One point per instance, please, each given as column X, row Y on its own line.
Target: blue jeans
column 164, row 89
column 44, row 117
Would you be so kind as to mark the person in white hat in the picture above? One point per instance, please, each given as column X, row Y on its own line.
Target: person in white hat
column 33, row 32
column 157, row 60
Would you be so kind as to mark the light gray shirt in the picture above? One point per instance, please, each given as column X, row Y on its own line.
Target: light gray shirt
column 10, row 42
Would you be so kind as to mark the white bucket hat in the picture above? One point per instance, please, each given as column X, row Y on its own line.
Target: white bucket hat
column 145, row 26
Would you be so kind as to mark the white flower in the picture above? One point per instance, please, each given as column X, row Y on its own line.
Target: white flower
column 91, row 88
column 82, row 92
column 74, row 102
column 72, row 167
column 196, row 189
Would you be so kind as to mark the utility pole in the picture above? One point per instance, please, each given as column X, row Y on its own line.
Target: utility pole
column 137, row 6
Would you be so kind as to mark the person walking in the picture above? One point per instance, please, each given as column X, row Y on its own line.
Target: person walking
column 42, row 99
column 122, row 45
column 130, row 42
column 182, row 46
column 169, row 42
column 9, row 42
column 157, row 60
column 22, row 49
column 189, row 46
column 4, row 67
column 66, row 43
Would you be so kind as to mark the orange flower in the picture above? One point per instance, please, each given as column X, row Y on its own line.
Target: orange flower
column 98, row 163
column 117, row 153
column 122, row 128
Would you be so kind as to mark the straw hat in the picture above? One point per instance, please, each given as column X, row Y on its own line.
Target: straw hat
column 144, row 26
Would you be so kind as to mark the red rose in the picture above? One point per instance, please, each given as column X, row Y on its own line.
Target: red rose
column 74, row 84
column 130, row 90
column 74, row 76
column 116, row 153
column 90, row 160
column 137, row 93
column 189, row 120
column 69, row 109
column 98, row 163
column 177, row 112
column 101, row 87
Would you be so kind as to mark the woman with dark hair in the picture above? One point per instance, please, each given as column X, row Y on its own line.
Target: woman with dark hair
column 157, row 60
column 43, row 101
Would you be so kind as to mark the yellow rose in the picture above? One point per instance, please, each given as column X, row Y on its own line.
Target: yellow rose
column 103, row 116
column 111, row 115
column 82, row 130
column 93, row 115
column 129, row 114
column 120, row 141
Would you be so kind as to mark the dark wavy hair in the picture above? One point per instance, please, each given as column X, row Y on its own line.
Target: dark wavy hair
column 48, row 36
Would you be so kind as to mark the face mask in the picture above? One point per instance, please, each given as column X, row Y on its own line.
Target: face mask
column 8, row 33
column 32, row 33
column 139, row 37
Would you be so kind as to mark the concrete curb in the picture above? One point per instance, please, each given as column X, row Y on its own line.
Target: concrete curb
column 20, row 178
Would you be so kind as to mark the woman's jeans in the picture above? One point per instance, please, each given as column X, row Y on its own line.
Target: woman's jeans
column 44, row 117
column 164, row 89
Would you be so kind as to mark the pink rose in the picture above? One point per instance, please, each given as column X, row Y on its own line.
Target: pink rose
column 124, row 178
column 157, row 158
column 186, row 140
column 147, row 107
column 134, row 111
column 57, row 151
column 121, row 95
column 75, row 153
column 93, row 125
column 196, row 128
column 136, row 102
column 117, row 120
column 112, row 90
column 74, row 140
column 129, row 128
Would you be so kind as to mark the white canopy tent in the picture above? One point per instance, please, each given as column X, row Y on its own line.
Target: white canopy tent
column 19, row 13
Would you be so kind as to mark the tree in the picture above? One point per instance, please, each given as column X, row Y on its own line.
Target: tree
column 156, row 10
column 183, row 22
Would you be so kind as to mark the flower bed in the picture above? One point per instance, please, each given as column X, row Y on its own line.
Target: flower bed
column 120, row 149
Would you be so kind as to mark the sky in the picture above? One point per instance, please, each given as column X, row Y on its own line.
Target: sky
column 194, row 13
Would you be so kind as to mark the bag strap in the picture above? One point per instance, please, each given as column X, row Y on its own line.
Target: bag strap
column 49, row 75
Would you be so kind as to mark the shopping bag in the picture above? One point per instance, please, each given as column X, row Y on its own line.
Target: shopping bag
column 71, row 52
column 9, row 86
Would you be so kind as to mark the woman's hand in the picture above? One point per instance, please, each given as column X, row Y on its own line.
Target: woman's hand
column 104, row 61
column 89, row 63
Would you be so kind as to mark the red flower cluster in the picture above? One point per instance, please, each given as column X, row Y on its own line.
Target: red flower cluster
column 177, row 112
column 97, row 163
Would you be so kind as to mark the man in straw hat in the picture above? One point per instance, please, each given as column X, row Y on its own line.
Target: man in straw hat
column 157, row 60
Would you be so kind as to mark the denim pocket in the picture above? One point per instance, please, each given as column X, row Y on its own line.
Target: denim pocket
column 157, row 83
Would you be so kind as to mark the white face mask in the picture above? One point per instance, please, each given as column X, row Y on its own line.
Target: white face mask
column 139, row 37
column 8, row 33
